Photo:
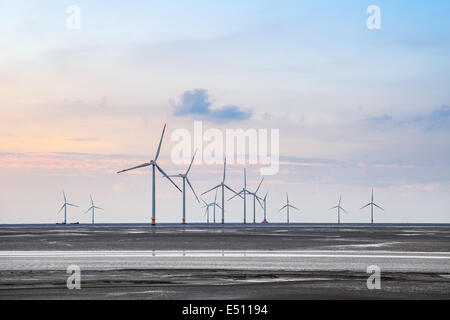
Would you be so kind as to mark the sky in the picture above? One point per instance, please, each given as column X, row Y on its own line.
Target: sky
column 356, row 108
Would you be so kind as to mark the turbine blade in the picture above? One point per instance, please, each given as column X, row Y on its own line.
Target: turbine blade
column 62, row 208
column 192, row 161
column 224, row 168
column 218, row 206
column 258, row 199
column 294, row 207
column 230, row 189
column 160, row 142
column 238, row 194
column 137, row 167
column 204, row 201
column 64, row 194
column 98, row 208
column 245, row 178
column 378, row 206
column 72, row 205
column 365, row 206
column 259, row 185
column 282, row 208
column 189, row 183
column 333, row 208
column 343, row 210
column 92, row 201
column 164, row 174
column 87, row 210
column 211, row 189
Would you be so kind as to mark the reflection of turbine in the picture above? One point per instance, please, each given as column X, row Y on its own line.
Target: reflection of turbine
column 223, row 186
column 265, row 208
column 287, row 206
column 186, row 179
column 371, row 204
column 92, row 208
column 339, row 208
column 207, row 206
column 154, row 164
column 244, row 191
column 64, row 206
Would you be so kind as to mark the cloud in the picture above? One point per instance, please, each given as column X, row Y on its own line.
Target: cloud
column 438, row 118
column 197, row 102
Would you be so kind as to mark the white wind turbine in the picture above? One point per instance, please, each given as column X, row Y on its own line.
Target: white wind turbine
column 339, row 208
column 92, row 209
column 154, row 165
column 64, row 206
column 244, row 191
column 223, row 186
column 287, row 206
column 186, row 179
column 255, row 197
column 372, row 204
column 207, row 206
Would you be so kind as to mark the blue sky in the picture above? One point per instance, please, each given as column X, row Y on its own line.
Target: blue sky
column 373, row 105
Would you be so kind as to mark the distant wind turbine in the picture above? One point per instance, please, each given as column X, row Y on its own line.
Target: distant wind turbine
column 186, row 179
column 339, row 208
column 223, row 186
column 92, row 209
column 207, row 206
column 243, row 195
column 287, row 206
column 154, row 165
column 64, row 206
column 255, row 197
column 372, row 204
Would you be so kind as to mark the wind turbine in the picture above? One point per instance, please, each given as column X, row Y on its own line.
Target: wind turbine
column 154, row 165
column 287, row 206
column 92, row 208
column 207, row 206
column 64, row 206
column 186, row 179
column 223, row 186
column 255, row 197
column 243, row 191
column 339, row 209
column 265, row 207
column 372, row 204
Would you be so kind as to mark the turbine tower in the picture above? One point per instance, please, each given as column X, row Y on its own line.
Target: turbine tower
column 154, row 165
column 244, row 191
column 223, row 186
column 287, row 206
column 92, row 208
column 265, row 208
column 339, row 208
column 214, row 209
column 64, row 206
column 372, row 204
column 186, row 179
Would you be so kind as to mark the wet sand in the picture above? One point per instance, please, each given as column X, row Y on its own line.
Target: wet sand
column 231, row 262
